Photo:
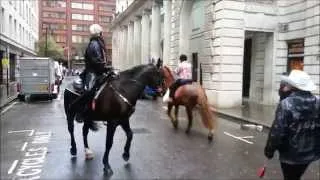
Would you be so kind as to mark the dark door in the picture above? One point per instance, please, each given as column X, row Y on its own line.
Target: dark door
column 1, row 73
column 195, row 66
column 246, row 68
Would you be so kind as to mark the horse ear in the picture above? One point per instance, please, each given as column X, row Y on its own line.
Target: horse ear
column 159, row 63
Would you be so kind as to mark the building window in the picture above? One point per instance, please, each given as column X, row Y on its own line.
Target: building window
column 79, row 27
column 12, row 67
column 30, row 16
column 25, row 12
column 60, row 15
column 55, row 26
column 20, row 32
column 23, row 36
column 105, row 19
column 10, row 25
column 80, row 39
column 86, row 6
column 1, row 69
column 2, row 20
column 15, row 28
column 20, row 7
column 59, row 38
column 15, row 4
column 82, row 17
column 88, row 17
column 50, row 3
column 106, row 8
column 295, row 54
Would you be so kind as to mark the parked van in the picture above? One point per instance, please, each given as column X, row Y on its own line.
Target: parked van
column 37, row 78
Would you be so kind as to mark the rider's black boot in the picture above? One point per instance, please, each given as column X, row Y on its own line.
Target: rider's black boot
column 79, row 105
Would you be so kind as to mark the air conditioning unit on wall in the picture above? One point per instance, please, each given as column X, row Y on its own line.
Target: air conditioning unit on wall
column 283, row 27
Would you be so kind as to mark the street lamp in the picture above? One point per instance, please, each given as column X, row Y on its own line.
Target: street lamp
column 68, row 56
column 47, row 26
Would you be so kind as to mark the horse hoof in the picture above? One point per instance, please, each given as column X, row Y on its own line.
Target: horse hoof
column 89, row 154
column 175, row 124
column 73, row 151
column 125, row 156
column 107, row 171
column 210, row 137
column 188, row 131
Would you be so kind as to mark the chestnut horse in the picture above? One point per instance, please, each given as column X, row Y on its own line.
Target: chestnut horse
column 189, row 95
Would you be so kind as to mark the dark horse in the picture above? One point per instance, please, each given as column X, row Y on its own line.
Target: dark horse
column 115, row 105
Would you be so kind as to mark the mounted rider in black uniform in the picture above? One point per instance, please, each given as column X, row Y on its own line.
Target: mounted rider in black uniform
column 95, row 72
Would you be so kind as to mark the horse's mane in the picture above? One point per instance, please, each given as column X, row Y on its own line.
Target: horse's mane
column 134, row 70
column 169, row 71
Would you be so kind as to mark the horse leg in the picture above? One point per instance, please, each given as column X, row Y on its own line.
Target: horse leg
column 111, row 127
column 127, row 129
column 88, row 153
column 211, row 127
column 176, row 112
column 73, row 149
column 189, row 114
column 170, row 105
column 169, row 110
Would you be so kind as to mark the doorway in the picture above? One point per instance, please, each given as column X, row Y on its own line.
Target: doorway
column 195, row 67
column 246, row 68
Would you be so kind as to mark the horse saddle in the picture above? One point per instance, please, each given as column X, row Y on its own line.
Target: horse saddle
column 182, row 82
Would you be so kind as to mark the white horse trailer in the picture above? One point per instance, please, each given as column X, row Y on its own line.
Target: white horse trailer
column 37, row 78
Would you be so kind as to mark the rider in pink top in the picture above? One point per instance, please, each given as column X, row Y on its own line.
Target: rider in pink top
column 184, row 70
column 184, row 73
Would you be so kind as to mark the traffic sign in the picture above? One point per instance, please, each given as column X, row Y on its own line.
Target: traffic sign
column 5, row 62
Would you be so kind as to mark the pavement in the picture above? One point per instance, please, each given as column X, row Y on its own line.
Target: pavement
column 35, row 145
column 250, row 112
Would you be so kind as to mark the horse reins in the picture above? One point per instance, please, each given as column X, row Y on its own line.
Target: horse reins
column 121, row 96
column 124, row 98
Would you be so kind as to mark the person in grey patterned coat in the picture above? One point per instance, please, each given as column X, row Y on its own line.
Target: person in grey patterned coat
column 295, row 132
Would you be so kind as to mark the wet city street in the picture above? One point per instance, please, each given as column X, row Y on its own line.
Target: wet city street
column 35, row 144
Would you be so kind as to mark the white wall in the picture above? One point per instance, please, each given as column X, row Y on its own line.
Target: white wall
column 303, row 19
column 122, row 5
column 26, row 16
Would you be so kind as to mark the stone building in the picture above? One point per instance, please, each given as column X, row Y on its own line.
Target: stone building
column 18, row 34
column 238, row 48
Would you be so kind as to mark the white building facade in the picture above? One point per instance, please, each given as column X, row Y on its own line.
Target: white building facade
column 18, row 35
column 238, row 49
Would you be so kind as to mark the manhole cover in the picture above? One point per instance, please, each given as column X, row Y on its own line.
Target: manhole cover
column 140, row 131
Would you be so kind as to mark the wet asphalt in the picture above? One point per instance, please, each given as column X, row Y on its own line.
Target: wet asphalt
column 35, row 145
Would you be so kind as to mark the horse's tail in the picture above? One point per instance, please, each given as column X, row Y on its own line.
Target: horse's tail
column 68, row 99
column 207, row 115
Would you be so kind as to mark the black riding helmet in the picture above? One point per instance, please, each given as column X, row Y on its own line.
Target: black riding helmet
column 183, row 57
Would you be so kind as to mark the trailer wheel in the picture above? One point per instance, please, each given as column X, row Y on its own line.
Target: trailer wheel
column 54, row 96
column 21, row 97
column 27, row 98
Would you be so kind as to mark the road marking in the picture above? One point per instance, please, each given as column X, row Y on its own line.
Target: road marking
column 30, row 134
column 247, row 137
column 35, row 156
column 9, row 107
column 236, row 137
column 13, row 166
column 24, row 146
